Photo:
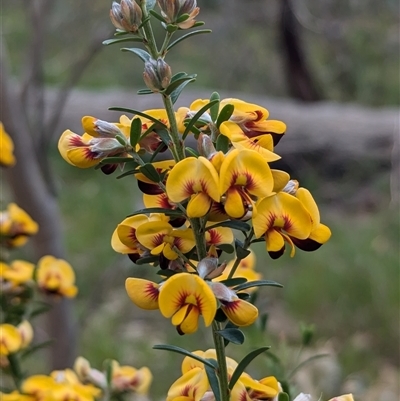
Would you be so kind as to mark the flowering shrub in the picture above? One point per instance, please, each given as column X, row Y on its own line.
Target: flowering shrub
column 215, row 193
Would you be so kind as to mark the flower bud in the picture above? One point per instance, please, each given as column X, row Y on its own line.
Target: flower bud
column 157, row 74
column 26, row 331
column 126, row 16
column 105, row 146
column 291, row 187
column 173, row 10
column 106, row 129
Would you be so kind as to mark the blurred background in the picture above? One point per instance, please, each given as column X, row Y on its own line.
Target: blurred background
column 330, row 70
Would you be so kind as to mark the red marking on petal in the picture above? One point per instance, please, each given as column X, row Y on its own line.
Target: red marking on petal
column 151, row 291
column 215, row 237
column 76, row 140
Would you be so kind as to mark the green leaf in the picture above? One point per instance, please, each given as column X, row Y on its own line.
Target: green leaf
column 127, row 173
column 214, row 109
column 43, row 307
column 244, row 363
column 241, row 253
column 283, row 397
column 121, row 40
column 136, row 131
column 158, row 16
column 258, row 283
column 213, row 380
column 116, row 160
column 228, row 248
column 173, row 85
column 147, row 260
column 198, row 23
column 225, row 114
column 167, row 212
column 175, row 94
column 139, row 113
column 179, row 350
column 234, row 224
column 150, row 4
column 222, row 143
column 183, row 18
column 192, row 152
column 188, row 35
column 166, row 273
column 142, row 54
column 108, row 367
column 149, row 171
column 31, row 350
column 178, row 75
column 194, row 119
column 171, row 28
column 121, row 139
column 232, row 282
column 233, row 335
column 144, row 92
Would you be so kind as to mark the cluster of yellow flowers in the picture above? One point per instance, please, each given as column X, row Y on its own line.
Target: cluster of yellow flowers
column 81, row 384
column 194, row 383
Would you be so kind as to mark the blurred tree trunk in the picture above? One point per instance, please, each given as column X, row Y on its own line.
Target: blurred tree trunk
column 298, row 76
column 26, row 117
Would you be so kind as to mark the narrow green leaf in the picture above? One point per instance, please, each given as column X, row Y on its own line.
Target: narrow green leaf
column 108, row 367
column 188, row 35
column 147, row 260
column 136, row 131
column 156, row 152
column 227, row 248
column 139, row 113
column 144, row 92
column 213, row 380
column 258, row 283
column 214, row 109
column 183, row 18
column 198, row 23
column 179, row 350
column 283, row 397
column 116, row 160
column 175, row 94
column 121, row 40
column 192, row 152
column 194, row 119
column 42, row 308
column 232, row 282
column 225, row 114
column 158, row 16
column 167, row 212
column 234, row 224
column 244, row 363
column 128, row 173
column 150, row 172
column 150, row 4
column 142, row 54
column 171, row 28
column 178, row 75
column 173, row 85
column 222, row 143
column 241, row 253
column 233, row 335
column 166, row 273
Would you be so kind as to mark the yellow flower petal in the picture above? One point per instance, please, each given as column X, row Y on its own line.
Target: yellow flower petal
column 240, row 312
column 199, row 205
column 7, row 157
column 185, row 288
column 143, row 293
column 191, row 176
column 10, row 339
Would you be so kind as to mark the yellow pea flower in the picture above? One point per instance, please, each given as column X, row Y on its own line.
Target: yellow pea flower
column 56, row 276
column 244, row 175
column 183, row 298
column 16, row 396
column 7, row 158
column 16, row 226
column 17, row 273
column 281, row 218
column 161, row 238
column 10, row 339
column 130, row 379
column 197, row 180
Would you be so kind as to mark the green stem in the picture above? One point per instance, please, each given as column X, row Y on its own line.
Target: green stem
column 177, row 146
column 246, row 244
column 148, row 32
column 201, row 246
column 221, row 358
column 164, row 46
column 15, row 369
